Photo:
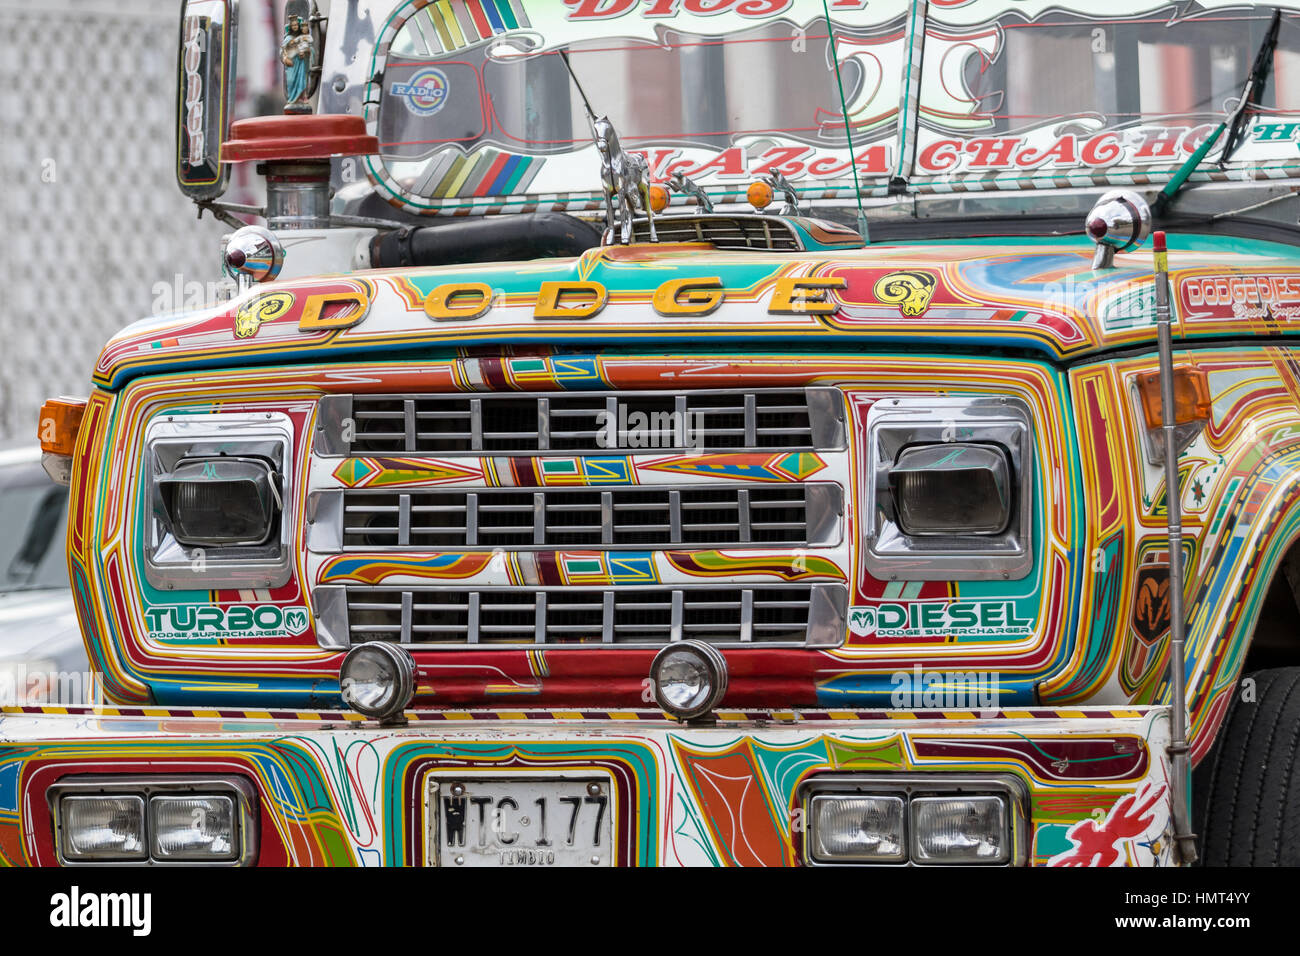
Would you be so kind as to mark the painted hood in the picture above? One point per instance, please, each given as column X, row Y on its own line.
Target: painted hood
column 1035, row 295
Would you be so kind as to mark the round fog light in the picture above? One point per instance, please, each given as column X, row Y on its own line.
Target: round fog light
column 689, row 679
column 377, row 679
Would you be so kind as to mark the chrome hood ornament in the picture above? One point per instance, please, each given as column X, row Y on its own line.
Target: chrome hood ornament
column 683, row 184
column 1119, row 222
column 624, row 176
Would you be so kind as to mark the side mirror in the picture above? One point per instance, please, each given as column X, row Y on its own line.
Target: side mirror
column 205, row 79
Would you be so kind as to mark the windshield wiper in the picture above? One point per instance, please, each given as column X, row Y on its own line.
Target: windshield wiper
column 1235, row 123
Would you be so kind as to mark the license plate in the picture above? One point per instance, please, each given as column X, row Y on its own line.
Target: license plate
column 515, row 821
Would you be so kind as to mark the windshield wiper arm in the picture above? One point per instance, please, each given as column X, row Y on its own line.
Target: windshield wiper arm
column 1235, row 123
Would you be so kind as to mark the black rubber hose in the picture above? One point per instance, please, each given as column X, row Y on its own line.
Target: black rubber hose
column 538, row 235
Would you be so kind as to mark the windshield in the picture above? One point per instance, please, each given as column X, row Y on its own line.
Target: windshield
column 475, row 110
column 33, row 517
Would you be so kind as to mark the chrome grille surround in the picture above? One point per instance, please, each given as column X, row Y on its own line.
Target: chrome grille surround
column 777, row 495
column 643, row 616
column 527, row 519
column 799, row 419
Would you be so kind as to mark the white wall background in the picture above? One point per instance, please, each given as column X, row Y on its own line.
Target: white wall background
column 91, row 222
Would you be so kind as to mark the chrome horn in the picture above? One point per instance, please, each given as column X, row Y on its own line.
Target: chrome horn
column 252, row 254
column 1120, row 221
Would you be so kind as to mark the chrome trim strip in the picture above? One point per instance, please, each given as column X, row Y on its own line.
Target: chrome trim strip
column 325, row 521
column 333, row 418
column 331, row 607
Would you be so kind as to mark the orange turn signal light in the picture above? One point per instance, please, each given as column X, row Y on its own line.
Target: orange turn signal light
column 658, row 198
column 1191, row 396
column 59, row 423
column 759, row 195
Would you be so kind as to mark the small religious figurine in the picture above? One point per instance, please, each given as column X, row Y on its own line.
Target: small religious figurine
column 296, row 54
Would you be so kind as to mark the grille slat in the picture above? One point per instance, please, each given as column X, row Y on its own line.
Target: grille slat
column 611, row 518
column 520, row 425
column 724, row 232
column 778, row 614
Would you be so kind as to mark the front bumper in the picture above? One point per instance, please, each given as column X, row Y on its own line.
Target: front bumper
column 333, row 790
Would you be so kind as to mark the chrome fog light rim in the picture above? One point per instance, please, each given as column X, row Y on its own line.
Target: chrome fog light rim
column 394, row 667
column 712, row 668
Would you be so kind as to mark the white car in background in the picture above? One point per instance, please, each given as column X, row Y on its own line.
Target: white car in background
column 42, row 657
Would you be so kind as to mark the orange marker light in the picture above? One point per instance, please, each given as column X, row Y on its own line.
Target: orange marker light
column 1191, row 396
column 759, row 195
column 658, row 197
column 59, row 423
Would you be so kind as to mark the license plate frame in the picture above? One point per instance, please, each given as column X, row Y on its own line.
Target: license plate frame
column 520, row 819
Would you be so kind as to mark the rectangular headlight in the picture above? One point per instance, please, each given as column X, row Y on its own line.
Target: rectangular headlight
column 221, row 501
column 193, row 828
column 951, row 488
column 216, row 490
column 175, row 819
column 909, row 819
column 858, row 829
column 960, row 829
column 102, row 828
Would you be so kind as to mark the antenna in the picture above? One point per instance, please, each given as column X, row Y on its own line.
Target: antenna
column 848, row 126
column 591, row 114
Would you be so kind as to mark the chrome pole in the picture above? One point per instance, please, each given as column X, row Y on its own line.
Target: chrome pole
column 1180, row 772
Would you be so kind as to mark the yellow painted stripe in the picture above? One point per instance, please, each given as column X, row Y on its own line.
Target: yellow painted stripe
column 458, row 715
column 64, row 710
column 960, row 715
column 208, row 713
column 435, row 17
column 1078, row 714
column 308, row 715
column 511, row 715
column 784, row 715
column 568, row 715
column 1126, row 713
column 841, row 715
column 456, row 176
column 258, row 714
column 449, row 18
column 901, row 715
column 1017, row 714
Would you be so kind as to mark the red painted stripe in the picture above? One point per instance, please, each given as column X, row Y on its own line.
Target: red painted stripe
column 490, row 177
column 475, row 9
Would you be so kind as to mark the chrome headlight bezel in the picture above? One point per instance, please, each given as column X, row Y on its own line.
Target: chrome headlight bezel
column 266, row 437
column 896, row 425
column 144, row 789
column 911, row 788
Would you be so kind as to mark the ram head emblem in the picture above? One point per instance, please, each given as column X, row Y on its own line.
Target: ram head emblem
column 251, row 315
column 910, row 291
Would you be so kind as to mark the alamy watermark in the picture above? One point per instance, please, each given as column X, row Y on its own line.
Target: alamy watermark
column 919, row 689
column 637, row 429
column 25, row 686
